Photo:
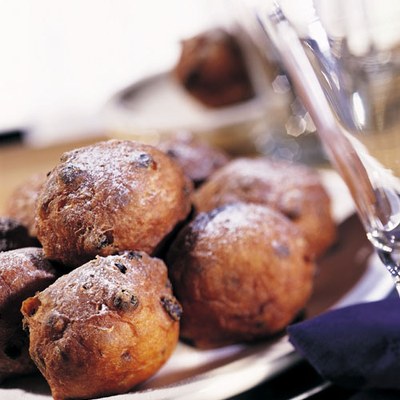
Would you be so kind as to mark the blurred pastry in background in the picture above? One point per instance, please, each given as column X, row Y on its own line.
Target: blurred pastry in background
column 293, row 189
column 212, row 68
column 14, row 235
column 21, row 204
column 198, row 159
column 22, row 273
column 241, row 272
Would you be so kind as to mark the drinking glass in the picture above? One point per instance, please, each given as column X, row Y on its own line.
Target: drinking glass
column 343, row 59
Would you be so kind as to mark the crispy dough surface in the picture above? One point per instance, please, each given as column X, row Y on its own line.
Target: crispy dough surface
column 22, row 202
column 14, row 235
column 110, row 197
column 105, row 327
column 294, row 190
column 22, row 273
column 240, row 272
column 198, row 160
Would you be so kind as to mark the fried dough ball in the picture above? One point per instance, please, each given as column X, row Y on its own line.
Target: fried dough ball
column 212, row 69
column 13, row 235
column 294, row 190
column 241, row 272
column 198, row 159
column 104, row 327
column 22, row 273
column 22, row 202
column 109, row 197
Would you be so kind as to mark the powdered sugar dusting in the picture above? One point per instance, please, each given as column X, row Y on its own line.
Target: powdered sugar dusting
column 276, row 172
column 240, row 218
column 29, row 261
column 21, row 270
column 105, row 165
column 92, row 288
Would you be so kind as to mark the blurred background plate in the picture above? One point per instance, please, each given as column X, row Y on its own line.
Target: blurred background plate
column 157, row 107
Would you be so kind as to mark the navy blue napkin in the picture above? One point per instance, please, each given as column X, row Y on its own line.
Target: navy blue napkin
column 356, row 346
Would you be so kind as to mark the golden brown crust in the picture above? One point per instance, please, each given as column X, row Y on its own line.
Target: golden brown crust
column 211, row 68
column 22, row 202
column 105, row 327
column 294, row 190
column 240, row 272
column 22, row 273
column 109, row 197
column 198, row 160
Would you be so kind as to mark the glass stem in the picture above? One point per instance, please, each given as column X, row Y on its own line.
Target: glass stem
column 391, row 265
column 338, row 143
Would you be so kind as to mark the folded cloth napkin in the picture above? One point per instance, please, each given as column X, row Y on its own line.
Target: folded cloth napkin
column 356, row 346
